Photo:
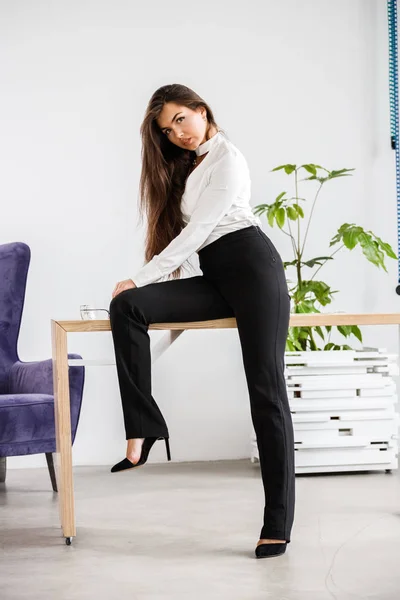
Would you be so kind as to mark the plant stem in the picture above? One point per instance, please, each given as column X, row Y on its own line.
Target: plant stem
column 312, row 338
column 320, row 267
column 297, row 249
column 309, row 220
column 292, row 238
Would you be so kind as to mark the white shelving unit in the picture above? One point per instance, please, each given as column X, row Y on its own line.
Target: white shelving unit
column 343, row 406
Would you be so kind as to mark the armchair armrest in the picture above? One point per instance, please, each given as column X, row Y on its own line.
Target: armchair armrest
column 31, row 377
column 37, row 377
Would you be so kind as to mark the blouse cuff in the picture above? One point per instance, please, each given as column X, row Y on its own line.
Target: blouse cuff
column 147, row 274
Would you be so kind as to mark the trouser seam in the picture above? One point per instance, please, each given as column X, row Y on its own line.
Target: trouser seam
column 281, row 411
column 131, row 373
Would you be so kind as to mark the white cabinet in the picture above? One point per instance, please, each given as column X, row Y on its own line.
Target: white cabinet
column 343, row 406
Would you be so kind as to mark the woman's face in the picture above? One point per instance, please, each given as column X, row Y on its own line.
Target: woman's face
column 183, row 126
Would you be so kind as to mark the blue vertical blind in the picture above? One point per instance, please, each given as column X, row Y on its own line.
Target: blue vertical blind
column 394, row 111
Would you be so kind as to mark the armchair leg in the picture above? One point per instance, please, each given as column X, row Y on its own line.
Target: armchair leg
column 3, row 468
column 50, row 465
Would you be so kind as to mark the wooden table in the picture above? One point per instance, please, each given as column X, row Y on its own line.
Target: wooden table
column 59, row 330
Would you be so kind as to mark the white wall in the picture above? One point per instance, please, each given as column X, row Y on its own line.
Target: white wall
column 289, row 82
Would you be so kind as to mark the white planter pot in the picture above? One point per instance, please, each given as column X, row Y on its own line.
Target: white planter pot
column 343, row 406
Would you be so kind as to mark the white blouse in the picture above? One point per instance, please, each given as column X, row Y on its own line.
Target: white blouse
column 215, row 202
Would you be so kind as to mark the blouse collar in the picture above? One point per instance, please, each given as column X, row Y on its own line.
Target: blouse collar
column 206, row 146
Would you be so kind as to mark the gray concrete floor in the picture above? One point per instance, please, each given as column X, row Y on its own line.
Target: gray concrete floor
column 187, row 531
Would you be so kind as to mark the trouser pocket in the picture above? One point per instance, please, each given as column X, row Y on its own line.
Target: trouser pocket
column 267, row 243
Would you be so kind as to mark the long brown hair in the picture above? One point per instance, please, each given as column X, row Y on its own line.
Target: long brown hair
column 165, row 168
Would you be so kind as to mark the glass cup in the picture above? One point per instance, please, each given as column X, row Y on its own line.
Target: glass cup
column 90, row 313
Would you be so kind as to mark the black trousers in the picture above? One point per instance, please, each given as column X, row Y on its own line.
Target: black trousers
column 243, row 277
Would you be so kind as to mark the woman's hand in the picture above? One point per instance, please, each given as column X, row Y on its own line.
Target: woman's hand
column 121, row 286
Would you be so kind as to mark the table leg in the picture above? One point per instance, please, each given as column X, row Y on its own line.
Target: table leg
column 62, row 415
column 164, row 343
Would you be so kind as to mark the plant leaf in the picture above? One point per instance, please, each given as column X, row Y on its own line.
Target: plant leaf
column 344, row 330
column 292, row 213
column 280, row 217
column 329, row 346
column 291, row 263
column 271, row 215
column 387, row 248
column 340, row 173
column 351, row 236
column 310, row 168
column 355, row 330
column 291, row 168
column 299, row 210
column 316, row 261
column 278, row 198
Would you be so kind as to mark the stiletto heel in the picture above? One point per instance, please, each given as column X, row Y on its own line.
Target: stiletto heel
column 167, row 447
column 125, row 464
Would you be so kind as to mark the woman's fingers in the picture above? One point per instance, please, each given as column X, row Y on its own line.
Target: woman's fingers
column 122, row 286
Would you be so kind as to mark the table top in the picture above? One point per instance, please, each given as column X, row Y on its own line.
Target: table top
column 296, row 320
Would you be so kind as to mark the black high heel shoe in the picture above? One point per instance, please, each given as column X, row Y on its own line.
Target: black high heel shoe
column 146, row 447
column 268, row 550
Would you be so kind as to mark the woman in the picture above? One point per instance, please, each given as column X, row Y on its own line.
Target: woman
column 195, row 188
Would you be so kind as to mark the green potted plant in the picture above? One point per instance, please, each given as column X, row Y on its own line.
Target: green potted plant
column 309, row 293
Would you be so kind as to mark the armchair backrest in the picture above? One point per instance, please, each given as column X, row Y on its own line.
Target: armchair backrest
column 14, row 264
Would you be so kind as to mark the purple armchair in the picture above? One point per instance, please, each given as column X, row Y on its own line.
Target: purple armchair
column 26, row 388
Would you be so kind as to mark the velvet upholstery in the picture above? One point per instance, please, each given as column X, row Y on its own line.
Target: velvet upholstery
column 26, row 388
